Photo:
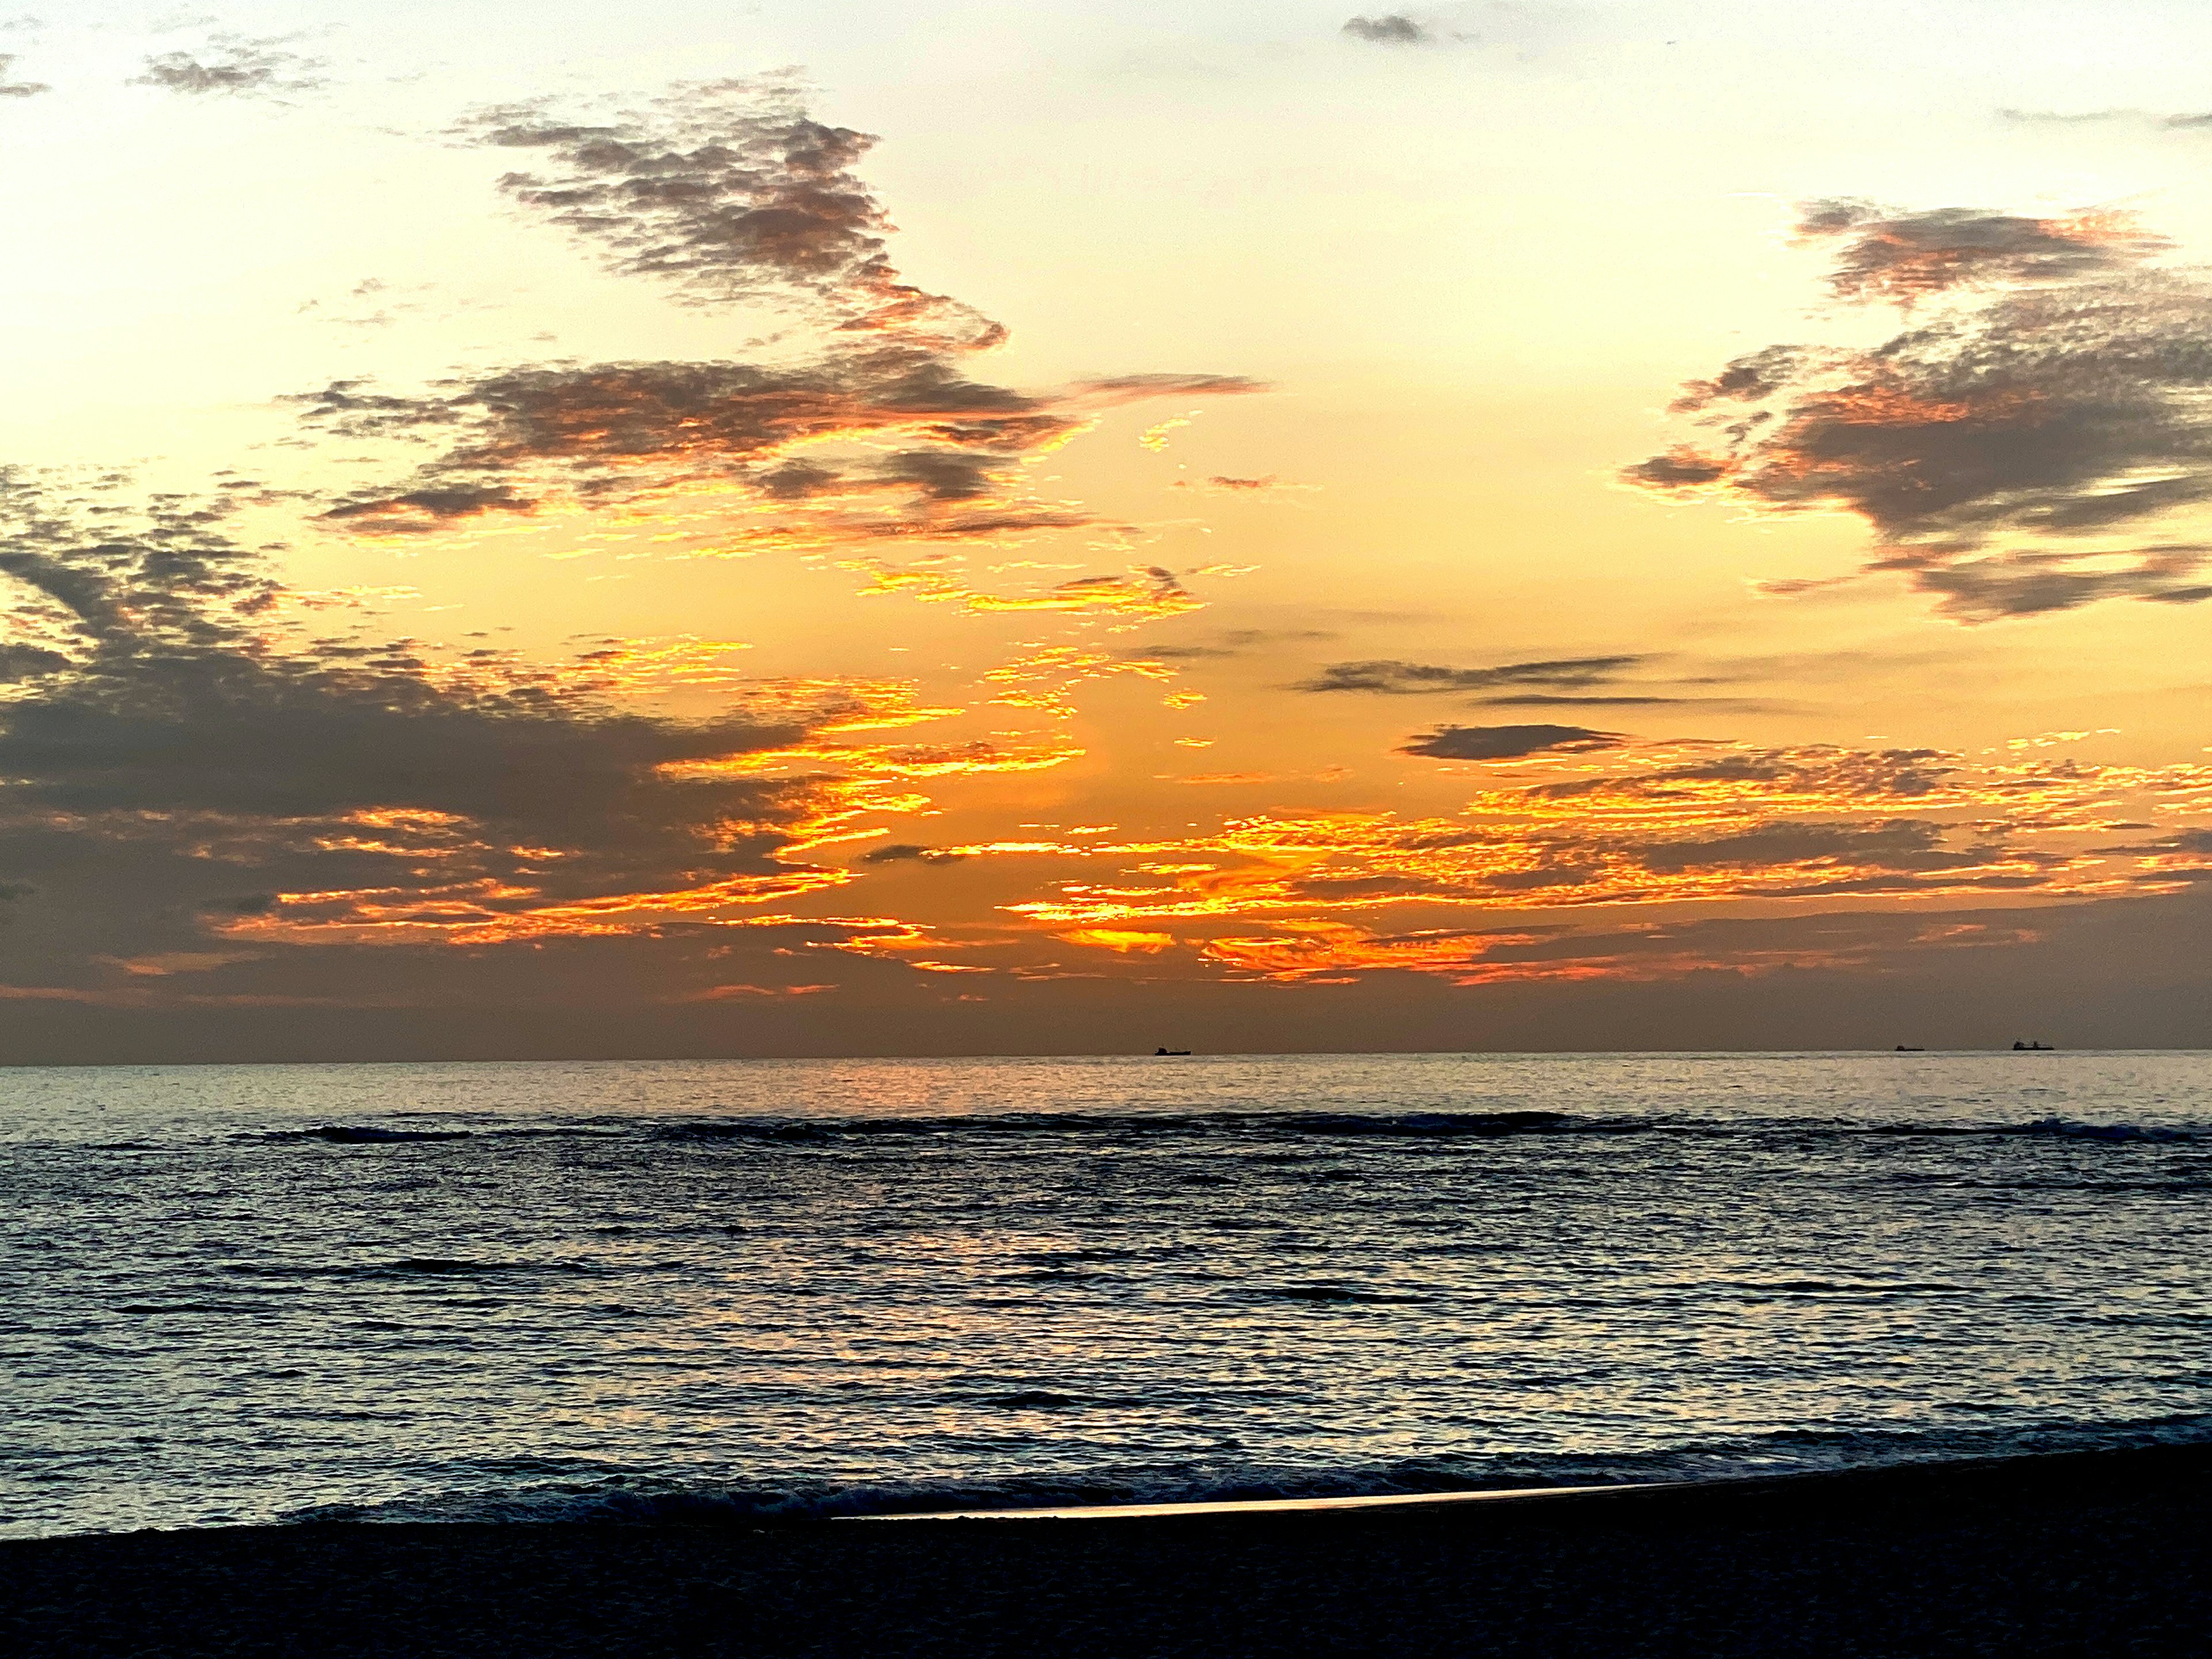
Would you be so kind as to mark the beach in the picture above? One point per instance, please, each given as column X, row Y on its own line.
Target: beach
column 2082, row 1553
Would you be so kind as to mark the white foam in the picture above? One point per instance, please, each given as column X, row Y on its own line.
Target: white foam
column 1269, row 1506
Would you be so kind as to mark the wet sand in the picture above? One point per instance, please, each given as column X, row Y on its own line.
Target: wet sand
column 2086, row 1554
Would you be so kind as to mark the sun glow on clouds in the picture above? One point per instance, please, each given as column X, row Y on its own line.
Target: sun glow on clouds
column 870, row 695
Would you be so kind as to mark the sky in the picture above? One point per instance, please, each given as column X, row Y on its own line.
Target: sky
column 699, row 529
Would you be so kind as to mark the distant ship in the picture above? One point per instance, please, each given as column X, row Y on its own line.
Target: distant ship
column 2031, row 1049
column 1170, row 1051
column 1907, row 1048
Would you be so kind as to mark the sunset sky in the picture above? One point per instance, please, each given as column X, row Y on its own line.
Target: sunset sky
column 856, row 528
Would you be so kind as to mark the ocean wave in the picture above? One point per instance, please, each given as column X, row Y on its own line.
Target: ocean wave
column 360, row 1134
column 1112, row 1125
column 641, row 1498
column 1328, row 1293
column 1244, row 1128
column 2065, row 1129
column 2053, row 1128
column 410, row 1267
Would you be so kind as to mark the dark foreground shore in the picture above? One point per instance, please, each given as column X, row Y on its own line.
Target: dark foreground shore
column 2095, row 1554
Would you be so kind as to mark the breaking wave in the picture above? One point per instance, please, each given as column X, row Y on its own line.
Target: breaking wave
column 626, row 1498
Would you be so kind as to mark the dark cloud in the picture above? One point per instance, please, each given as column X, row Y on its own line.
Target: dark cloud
column 1392, row 29
column 1905, row 846
column 1567, row 700
column 417, row 510
column 908, row 853
column 607, row 430
column 708, row 415
column 2183, row 843
column 1883, row 254
column 2009, row 453
column 233, row 65
column 10, row 88
column 1231, row 644
column 942, row 475
column 167, row 762
column 1403, row 679
column 1494, row 742
column 730, row 192
column 612, row 428
column 794, row 480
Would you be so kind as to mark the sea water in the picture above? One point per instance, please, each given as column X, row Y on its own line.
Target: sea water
column 686, row 1290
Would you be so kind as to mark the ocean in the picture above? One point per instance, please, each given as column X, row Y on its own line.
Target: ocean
column 693, row 1290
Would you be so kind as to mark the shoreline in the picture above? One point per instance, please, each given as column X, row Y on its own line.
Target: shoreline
column 1264, row 1505
column 2079, row 1552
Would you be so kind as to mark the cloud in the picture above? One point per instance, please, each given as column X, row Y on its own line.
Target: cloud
column 2184, row 122
column 1120, row 941
column 176, row 768
column 1495, row 743
column 2011, row 452
column 1390, row 678
column 233, row 65
column 1228, row 484
column 416, row 510
column 1336, row 952
column 1527, row 31
column 728, row 191
column 1670, row 824
column 1883, row 254
column 1232, row 643
column 1143, row 591
column 1118, row 389
column 907, row 853
column 13, row 89
column 1392, row 29
column 605, row 431
column 731, row 191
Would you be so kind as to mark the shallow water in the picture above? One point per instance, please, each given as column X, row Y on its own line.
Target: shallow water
column 663, row 1289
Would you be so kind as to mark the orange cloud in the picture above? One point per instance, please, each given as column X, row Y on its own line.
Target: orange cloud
column 1121, row 941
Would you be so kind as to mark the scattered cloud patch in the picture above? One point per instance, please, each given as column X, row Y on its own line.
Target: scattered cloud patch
column 1117, row 389
column 11, row 88
column 1902, row 257
column 1499, row 743
column 2184, row 122
column 728, row 191
column 416, row 511
column 908, row 853
column 1390, row 678
column 1391, row 29
column 1227, row 484
column 2040, row 441
column 231, row 65
column 1673, row 824
column 180, row 755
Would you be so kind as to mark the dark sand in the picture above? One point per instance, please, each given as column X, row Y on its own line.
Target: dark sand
column 2100, row 1553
